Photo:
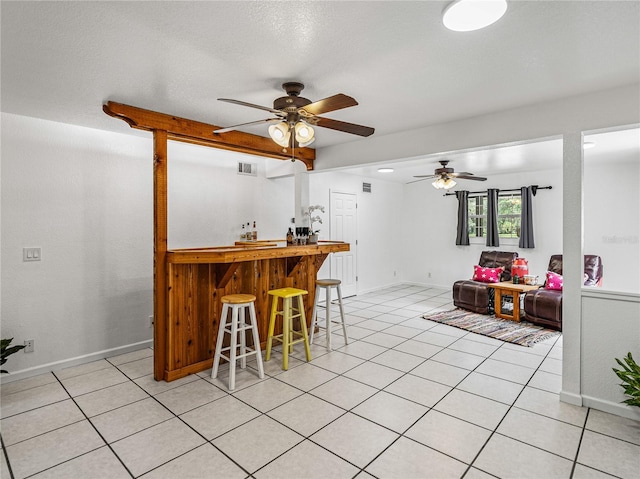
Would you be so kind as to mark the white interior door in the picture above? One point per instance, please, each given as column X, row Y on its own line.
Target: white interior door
column 343, row 215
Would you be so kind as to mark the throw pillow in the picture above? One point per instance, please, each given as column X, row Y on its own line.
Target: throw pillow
column 554, row 281
column 487, row 275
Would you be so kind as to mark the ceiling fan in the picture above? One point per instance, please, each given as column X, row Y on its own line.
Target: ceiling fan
column 444, row 176
column 295, row 117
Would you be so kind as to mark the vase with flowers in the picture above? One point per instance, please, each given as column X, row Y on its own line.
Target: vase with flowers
column 313, row 233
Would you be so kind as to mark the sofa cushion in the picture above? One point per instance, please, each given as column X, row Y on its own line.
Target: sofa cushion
column 487, row 275
column 494, row 259
column 544, row 307
column 554, row 281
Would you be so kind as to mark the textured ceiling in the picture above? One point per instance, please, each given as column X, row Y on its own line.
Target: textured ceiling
column 62, row 60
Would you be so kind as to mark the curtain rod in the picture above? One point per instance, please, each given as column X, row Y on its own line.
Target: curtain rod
column 534, row 189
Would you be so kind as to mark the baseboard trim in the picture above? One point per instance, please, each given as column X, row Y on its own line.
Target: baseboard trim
column 66, row 363
column 430, row 285
column 377, row 288
column 571, row 398
column 619, row 409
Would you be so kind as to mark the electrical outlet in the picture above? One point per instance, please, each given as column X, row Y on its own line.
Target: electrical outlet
column 429, row 275
column 394, row 273
column 151, row 321
column 31, row 254
column 29, row 345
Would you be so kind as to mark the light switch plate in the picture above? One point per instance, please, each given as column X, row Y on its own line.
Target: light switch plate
column 31, row 254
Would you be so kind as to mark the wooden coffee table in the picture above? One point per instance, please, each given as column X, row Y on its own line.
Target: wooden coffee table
column 507, row 288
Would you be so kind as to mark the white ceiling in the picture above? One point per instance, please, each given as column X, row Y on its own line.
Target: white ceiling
column 62, row 60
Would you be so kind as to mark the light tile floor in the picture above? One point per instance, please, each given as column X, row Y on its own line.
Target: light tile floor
column 407, row 398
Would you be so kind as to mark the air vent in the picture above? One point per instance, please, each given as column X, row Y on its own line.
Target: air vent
column 250, row 169
column 366, row 187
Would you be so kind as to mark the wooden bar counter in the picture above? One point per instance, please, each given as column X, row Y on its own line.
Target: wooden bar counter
column 198, row 278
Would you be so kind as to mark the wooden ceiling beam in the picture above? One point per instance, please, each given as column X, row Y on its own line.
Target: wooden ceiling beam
column 195, row 132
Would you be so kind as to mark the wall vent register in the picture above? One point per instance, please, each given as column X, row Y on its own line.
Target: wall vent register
column 366, row 187
column 250, row 169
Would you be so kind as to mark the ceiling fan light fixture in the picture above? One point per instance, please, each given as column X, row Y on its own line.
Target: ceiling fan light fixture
column 280, row 133
column 470, row 15
column 305, row 135
column 444, row 183
column 448, row 184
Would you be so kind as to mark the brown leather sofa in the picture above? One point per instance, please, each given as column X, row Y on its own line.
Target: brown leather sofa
column 476, row 296
column 544, row 306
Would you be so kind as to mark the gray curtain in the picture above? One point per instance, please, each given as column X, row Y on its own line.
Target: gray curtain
column 526, row 218
column 462, row 235
column 493, row 238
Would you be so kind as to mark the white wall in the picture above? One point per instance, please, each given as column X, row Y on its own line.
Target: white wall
column 85, row 197
column 378, row 225
column 209, row 201
column 612, row 220
column 429, row 229
column 607, row 336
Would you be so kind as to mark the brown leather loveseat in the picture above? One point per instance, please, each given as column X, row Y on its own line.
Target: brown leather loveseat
column 544, row 306
column 476, row 296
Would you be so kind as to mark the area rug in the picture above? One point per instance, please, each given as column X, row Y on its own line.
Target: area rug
column 522, row 333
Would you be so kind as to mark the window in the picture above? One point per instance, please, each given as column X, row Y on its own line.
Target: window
column 509, row 209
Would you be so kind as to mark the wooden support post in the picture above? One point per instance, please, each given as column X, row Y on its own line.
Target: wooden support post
column 160, row 293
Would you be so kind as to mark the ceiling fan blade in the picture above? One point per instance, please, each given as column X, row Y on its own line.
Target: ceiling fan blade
column 415, row 181
column 332, row 103
column 344, row 126
column 252, row 105
column 426, row 176
column 467, row 177
column 235, row 127
column 461, row 173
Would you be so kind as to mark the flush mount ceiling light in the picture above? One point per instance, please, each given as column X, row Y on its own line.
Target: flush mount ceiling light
column 469, row 15
column 385, row 170
column 588, row 144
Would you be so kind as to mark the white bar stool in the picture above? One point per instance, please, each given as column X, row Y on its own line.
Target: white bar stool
column 327, row 285
column 237, row 326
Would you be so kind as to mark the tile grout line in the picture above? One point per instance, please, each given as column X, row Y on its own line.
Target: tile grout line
column 402, row 435
column 175, row 416
column 495, row 430
column 6, row 457
column 575, row 460
column 430, row 408
column 94, row 428
column 377, row 391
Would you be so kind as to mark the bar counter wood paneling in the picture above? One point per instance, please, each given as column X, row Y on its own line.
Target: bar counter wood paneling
column 198, row 278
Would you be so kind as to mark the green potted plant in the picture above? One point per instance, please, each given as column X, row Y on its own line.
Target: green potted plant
column 630, row 375
column 7, row 351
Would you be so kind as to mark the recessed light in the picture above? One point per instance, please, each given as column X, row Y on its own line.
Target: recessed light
column 385, row 170
column 588, row 144
column 469, row 15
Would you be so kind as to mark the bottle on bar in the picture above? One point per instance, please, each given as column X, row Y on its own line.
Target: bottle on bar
column 254, row 232
column 243, row 235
